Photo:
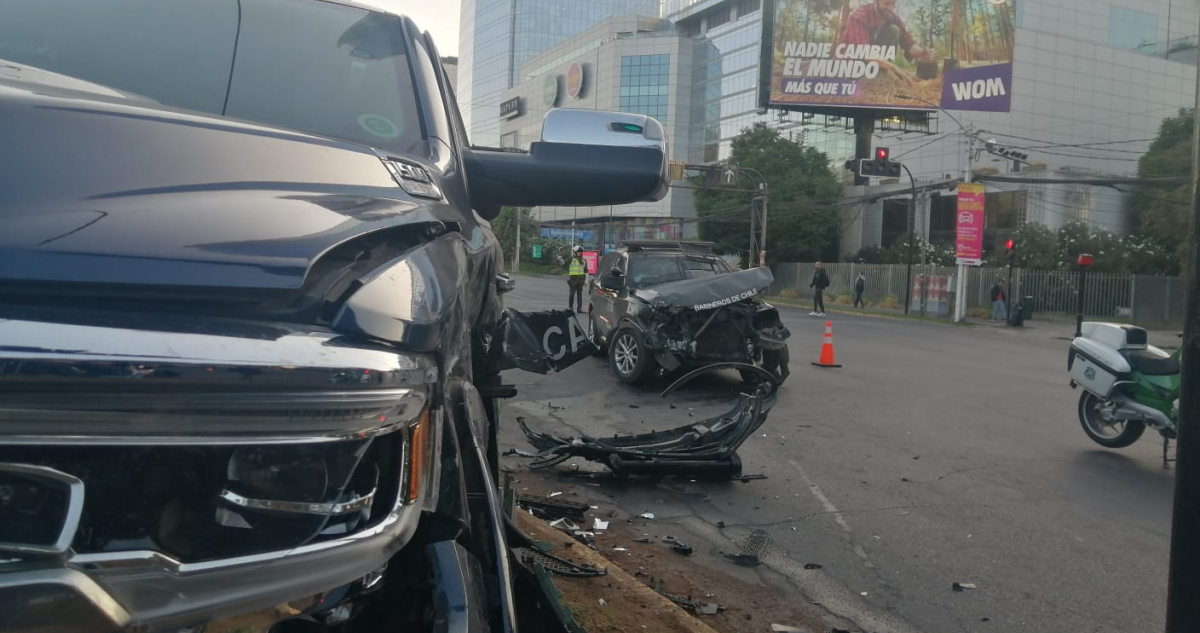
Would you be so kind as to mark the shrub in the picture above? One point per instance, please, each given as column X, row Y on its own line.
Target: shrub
column 789, row 293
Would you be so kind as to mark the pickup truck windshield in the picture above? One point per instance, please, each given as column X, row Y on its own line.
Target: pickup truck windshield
column 312, row 66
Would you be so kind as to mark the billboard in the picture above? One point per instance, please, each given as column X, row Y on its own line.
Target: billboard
column 889, row 54
column 968, row 238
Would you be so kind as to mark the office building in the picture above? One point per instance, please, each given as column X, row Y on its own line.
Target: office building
column 631, row 64
column 1091, row 84
column 497, row 37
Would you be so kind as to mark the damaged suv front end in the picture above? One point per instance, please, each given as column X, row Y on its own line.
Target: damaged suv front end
column 665, row 307
column 714, row 319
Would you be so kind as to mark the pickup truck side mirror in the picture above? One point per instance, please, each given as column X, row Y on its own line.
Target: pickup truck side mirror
column 585, row 158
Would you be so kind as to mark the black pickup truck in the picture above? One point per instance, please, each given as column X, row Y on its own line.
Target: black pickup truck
column 251, row 318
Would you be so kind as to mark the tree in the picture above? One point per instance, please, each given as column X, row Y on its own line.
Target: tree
column 803, row 220
column 1037, row 247
column 1162, row 214
column 505, row 228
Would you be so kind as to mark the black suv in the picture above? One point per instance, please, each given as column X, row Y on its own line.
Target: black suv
column 667, row 305
column 252, row 329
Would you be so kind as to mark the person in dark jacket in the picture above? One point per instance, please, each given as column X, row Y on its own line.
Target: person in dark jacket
column 820, row 282
column 860, row 284
column 999, row 300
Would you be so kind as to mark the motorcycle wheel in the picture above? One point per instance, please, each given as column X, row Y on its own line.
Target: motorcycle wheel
column 1116, row 434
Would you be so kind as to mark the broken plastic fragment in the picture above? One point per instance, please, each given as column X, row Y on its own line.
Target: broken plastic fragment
column 555, row 494
column 620, row 549
column 599, row 525
column 564, row 525
column 963, row 585
column 647, row 515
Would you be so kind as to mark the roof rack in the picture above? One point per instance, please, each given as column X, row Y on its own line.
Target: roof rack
column 651, row 245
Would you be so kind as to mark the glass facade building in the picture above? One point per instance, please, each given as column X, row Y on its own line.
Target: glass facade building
column 498, row 37
column 644, row 85
column 634, row 64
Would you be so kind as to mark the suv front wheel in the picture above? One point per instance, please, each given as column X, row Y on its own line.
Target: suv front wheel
column 628, row 356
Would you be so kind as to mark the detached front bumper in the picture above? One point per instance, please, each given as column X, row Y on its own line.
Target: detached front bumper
column 155, row 479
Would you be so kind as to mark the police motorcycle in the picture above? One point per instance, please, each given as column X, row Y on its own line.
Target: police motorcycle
column 1127, row 385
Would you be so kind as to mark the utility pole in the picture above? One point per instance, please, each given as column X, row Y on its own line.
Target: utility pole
column 517, row 251
column 912, row 227
column 751, row 256
column 1183, row 578
column 762, row 257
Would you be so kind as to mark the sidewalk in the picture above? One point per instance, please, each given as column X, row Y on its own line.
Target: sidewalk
column 1056, row 326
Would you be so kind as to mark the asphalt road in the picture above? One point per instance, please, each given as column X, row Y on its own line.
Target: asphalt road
column 936, row 455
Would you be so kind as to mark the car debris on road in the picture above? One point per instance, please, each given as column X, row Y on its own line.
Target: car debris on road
column 706, row 449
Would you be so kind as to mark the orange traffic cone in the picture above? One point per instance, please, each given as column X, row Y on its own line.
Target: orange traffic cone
column 827, row 348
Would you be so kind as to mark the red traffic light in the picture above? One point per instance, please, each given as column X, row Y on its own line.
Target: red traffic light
column 882, row 153
column 1009, row 245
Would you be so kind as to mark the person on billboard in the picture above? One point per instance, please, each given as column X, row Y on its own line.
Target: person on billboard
column 876, row 23
column 576, row 276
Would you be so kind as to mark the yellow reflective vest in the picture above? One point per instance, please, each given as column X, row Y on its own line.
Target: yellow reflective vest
column 578, row 267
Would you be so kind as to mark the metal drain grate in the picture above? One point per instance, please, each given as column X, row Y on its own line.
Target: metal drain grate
column 752, row 549
column 558, row 565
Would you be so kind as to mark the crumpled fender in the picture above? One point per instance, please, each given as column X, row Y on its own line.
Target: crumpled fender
column 406, row 301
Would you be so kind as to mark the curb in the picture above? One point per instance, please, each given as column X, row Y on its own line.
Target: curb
column 538, row 530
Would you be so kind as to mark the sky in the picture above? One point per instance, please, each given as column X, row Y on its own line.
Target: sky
column 439, row 17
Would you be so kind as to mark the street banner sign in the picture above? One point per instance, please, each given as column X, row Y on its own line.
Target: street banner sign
column 968, row 237
column 591, row 258
column 537, row 251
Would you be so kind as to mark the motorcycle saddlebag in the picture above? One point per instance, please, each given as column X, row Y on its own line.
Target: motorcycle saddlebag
column 1096, row 367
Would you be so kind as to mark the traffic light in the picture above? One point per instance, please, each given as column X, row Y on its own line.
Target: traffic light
column 1011, row 247
column 881, row 165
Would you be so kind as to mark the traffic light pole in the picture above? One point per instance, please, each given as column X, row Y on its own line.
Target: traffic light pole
column 912, row 228
column 1183, row 577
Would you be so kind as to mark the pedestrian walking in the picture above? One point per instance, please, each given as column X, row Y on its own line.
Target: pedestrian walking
column 820, row 282
column 576, row 276
column 860, row 284
column 999, row 301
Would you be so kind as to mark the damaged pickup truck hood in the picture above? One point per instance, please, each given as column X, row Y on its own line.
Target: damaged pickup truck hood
column 706, row 293
column 105, row 189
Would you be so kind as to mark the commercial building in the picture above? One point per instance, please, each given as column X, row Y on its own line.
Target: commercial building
column 1091, row 82
column 497, row 37
column 631, row 64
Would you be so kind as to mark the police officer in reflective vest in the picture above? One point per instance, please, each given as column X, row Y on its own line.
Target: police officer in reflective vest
column 576, row 275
